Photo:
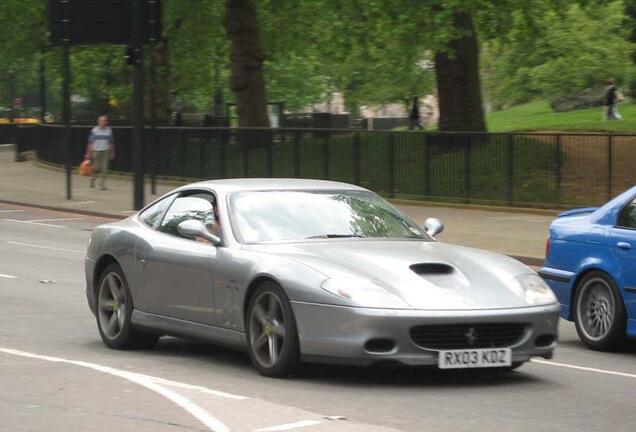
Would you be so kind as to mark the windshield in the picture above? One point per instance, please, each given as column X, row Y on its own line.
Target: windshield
column 265, row 216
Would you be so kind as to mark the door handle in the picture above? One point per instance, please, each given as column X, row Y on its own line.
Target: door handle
column 623, row 246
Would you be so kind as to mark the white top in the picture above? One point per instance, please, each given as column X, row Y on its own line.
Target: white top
column 101, row 138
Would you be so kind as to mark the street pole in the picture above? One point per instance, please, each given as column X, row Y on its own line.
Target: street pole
column 12, row 96
column 42, row 89
column 66, row 117
column 153, row 118
column 138, row 24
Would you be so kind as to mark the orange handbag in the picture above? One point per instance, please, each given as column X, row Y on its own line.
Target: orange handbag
column 85, row 168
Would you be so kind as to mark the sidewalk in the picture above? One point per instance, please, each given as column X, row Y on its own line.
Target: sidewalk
column 517, row 234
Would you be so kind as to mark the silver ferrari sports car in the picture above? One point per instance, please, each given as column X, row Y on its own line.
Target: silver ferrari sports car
column 305, row 270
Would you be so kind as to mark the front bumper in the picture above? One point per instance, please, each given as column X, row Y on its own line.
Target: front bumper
column 338, row 334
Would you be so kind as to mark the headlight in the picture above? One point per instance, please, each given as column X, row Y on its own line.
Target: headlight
column 535, row 290
column 363, row 293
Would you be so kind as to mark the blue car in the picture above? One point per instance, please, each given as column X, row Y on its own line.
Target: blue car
column 591, row 267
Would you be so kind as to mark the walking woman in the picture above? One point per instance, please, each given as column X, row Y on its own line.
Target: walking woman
column 100, row 150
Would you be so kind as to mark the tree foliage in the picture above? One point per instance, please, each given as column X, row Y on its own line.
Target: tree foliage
column 371, row 51
column 565, row 52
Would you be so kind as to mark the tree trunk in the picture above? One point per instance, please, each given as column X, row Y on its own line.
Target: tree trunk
column 247, row 56
column 458, row 87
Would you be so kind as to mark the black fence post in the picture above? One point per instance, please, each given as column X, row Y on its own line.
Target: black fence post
column 182, row 154
column 558, row 169
column 244, row 147
column 510, row 167
column 427, row 165
column 270, row 151
column 225, row 138
column 325, row 156
column 66, row 115
column 155, row 150
column 468, row 168
column 610, row 145
column 297, row 154
column 202, row 145
column 391, row 163
column 356, row 158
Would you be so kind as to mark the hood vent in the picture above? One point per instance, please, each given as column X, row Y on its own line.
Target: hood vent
column 426, row 269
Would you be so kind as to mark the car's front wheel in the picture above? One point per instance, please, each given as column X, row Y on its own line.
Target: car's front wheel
column 599, row 313
column 271, row 332
column 114, row 309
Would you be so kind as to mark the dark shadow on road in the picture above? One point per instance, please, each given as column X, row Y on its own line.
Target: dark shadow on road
column 393, row 375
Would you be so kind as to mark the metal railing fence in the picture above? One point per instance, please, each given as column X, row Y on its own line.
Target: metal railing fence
column 518, row 169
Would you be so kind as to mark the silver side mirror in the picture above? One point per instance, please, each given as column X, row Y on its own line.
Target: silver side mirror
column 433, row 226
column 193, row 229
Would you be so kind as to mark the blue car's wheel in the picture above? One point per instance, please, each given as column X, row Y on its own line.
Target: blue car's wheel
column 599, row 313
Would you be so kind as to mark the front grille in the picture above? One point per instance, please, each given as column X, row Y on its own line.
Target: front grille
column 467, row 336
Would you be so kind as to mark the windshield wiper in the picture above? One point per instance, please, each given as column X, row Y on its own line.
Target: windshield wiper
column 334, row 236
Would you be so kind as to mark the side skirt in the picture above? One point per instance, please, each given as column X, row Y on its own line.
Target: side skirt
column 188, row 329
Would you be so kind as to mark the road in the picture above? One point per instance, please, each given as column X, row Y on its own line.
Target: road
column 56, row 375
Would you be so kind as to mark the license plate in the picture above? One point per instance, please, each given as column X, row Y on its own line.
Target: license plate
column 475, row 358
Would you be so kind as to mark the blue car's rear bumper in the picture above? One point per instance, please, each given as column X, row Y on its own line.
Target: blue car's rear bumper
column 560, row 281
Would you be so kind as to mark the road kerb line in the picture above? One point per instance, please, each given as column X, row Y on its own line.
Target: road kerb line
column 193, row 409
column 11, row 211
column 584, row 368
column 55, row 219
column 289, row 426
column 44, row 247
column 81, row 203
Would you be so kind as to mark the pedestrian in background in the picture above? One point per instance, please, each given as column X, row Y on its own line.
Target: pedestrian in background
column 414, row 115
column 612, row 97
column 100, row 150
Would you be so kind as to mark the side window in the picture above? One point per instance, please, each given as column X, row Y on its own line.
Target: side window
column 198, row 206
column 152, row 215
column 627, row 217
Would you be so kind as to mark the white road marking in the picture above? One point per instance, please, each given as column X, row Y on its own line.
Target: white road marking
column 289, row 426
column 44, row 247
column 143, row 380
column 11, row 211
column 33, row 223
column 55, row 219
column 6, row 276
column 584, row 368
column 194, row 387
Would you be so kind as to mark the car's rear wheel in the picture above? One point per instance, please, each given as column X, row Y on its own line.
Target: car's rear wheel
column 599, row 313
column 271, row 332
column 114, row 309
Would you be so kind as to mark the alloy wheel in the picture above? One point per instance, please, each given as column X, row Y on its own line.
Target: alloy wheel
column 267, row 329
column 596, row 309
column 111, row 305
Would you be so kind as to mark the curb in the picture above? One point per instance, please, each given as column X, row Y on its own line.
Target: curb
column 530, row 261
column 479, row 207
column 117, row 175
column 65, row 209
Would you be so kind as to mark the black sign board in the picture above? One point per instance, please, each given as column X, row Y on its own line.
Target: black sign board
column 100, row 21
